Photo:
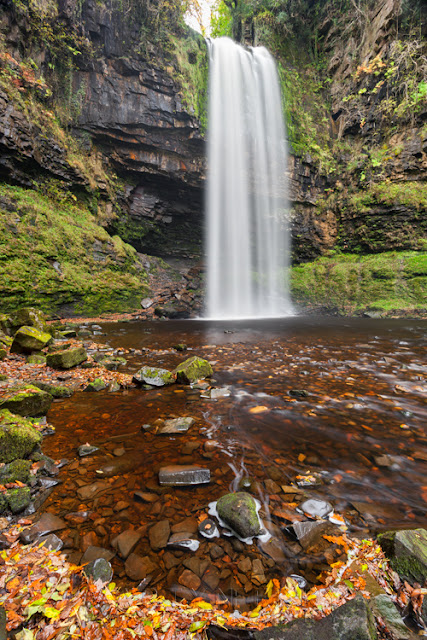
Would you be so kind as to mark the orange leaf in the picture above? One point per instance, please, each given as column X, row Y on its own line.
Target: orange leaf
column 258, row 409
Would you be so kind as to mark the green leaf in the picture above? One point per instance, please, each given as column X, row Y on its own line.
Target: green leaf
column 196, row 626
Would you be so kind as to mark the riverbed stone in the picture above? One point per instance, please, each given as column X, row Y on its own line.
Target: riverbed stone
column 99, row 570
column 175, row 426
column 87, row 450
column 182, row 475
column 183, row 541
column 89, row 491
column 26, row 400
column 96, row 385
column 18, row 437
column 29, row 339
column 94, row 553
column 315, row 508
column 47, row 523
column 382, row 605
column 308, row 532
column 158, row 535
column 66, row 359
column 138, row 568
column 126, row 542
column 239, row 512
column 55, row 390
column 36, row 358
column 154, row 376
column 189, row 579
column 192, row 370
column 52, row 542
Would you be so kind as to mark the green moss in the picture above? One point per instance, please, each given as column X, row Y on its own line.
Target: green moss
column 18, row 499
column 352, row 283
column 94, row 273
column 18, row 437
column 193, row 369
column 18, row 470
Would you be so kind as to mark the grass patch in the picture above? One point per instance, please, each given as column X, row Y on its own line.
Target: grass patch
column 350, row 283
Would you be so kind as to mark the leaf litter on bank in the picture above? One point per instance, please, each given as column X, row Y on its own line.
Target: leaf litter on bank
column 46, row 597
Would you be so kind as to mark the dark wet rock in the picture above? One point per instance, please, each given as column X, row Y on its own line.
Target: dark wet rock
column 77, row 517
column 216, row 552
column 48, row 523
column 314, row 508
column 16, row 470
column 239, row 511
column 180, row 347
column 86, row 450
column 113, row 363
column 100, row 570
column 271, row 486
column 154, row 377
column 274, row 548
column 184, row 541
column 308, row 533
column 142, row 496
column 196, row 565
column 188, row 525
column 391, row 462
column 159, row 535
column 192, row 370
column 175, row 426
column 56, row 391
column 96, row 385
column 94, row 553
column 26, row 400
column 173, row 310
column 208, row 529
column 118, row 466
column 138, row 568
column 258, row 574
column 52, row 542
column 383, row 606
column 18, row 499
column 211, row 577
column 66, row 359
column 189, row 580
column 126, row 542
column 299, row 393
column 182, row 475
column 3, row 620
column 29, row 339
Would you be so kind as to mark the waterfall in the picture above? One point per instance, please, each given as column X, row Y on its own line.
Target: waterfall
column 247, row 205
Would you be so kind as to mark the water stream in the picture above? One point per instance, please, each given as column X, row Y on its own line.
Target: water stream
column 247, row 228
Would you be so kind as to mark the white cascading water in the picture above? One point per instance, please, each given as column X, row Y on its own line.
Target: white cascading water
column 247, row 205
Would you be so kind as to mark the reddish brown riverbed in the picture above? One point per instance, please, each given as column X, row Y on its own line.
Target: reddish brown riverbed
column 359, row 435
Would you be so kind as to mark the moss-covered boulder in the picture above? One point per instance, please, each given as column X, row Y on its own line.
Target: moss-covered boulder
column 16, row 470
column 18, row 499
column 29, row 339
column 55, row 390
column 26, row 400
column 154, row 376
column 36, row 358
column 113, row 363
column 408, row 552
column 5, row 324
column 66, row 359
column 28, row 317
column 96, row 385
column 18, row 437
column 3, row 505
column 5, row 340
column 193, row 369
column 239, row 512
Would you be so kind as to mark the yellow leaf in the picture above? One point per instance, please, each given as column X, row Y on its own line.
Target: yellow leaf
column 258, row 409
column 204, row 605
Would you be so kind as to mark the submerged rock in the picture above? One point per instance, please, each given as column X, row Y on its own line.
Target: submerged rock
column 314, row 508
column 26, row 400
column 96, row 385
column 29, row 339
column 239, row 512
column 183, row 541
column 87, row 450
column 18, row 437
column 181, row 475
column 175, row 425
column 48, row 523
column 154, row 376
column 192, row 370
column 159, row 535
column 138, row 568
column 66, row 359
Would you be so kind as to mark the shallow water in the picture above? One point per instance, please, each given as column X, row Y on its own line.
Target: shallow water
column 366, row 399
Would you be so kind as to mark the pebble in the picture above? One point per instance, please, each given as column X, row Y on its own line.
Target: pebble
column 183, row 541
column 138, row 568
column 208, row 529
column 314, row 508
column 189, row 579
column 175, row 426
column 159, row 535
column 182, row 475
column 126, row 542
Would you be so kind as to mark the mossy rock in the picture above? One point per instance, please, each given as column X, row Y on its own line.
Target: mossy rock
column 96, row 385
column 113, row 363
column 239, row 511
column 3, row 503
column 66, row 359
column 410, row 555
column 193, row 369
column 18, row 499
column 5, row 324
column 3, row 354
column 16, row 470
column 56, row 391
column 28, row 317
column 68, row 333
column 5, row 341
column 154, row 376
column 18, row 437
column 29, row 339
column 26, row 400
column 35, row 358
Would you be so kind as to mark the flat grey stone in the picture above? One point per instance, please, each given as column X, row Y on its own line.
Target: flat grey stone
column 93, row 553
column 308, row 533
column 48, row 523
column 315, row 508
column 86, row 450
column 182, row 475
column 52, row 542
column 176, row 425
column 383, row 606
column 126, row 542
